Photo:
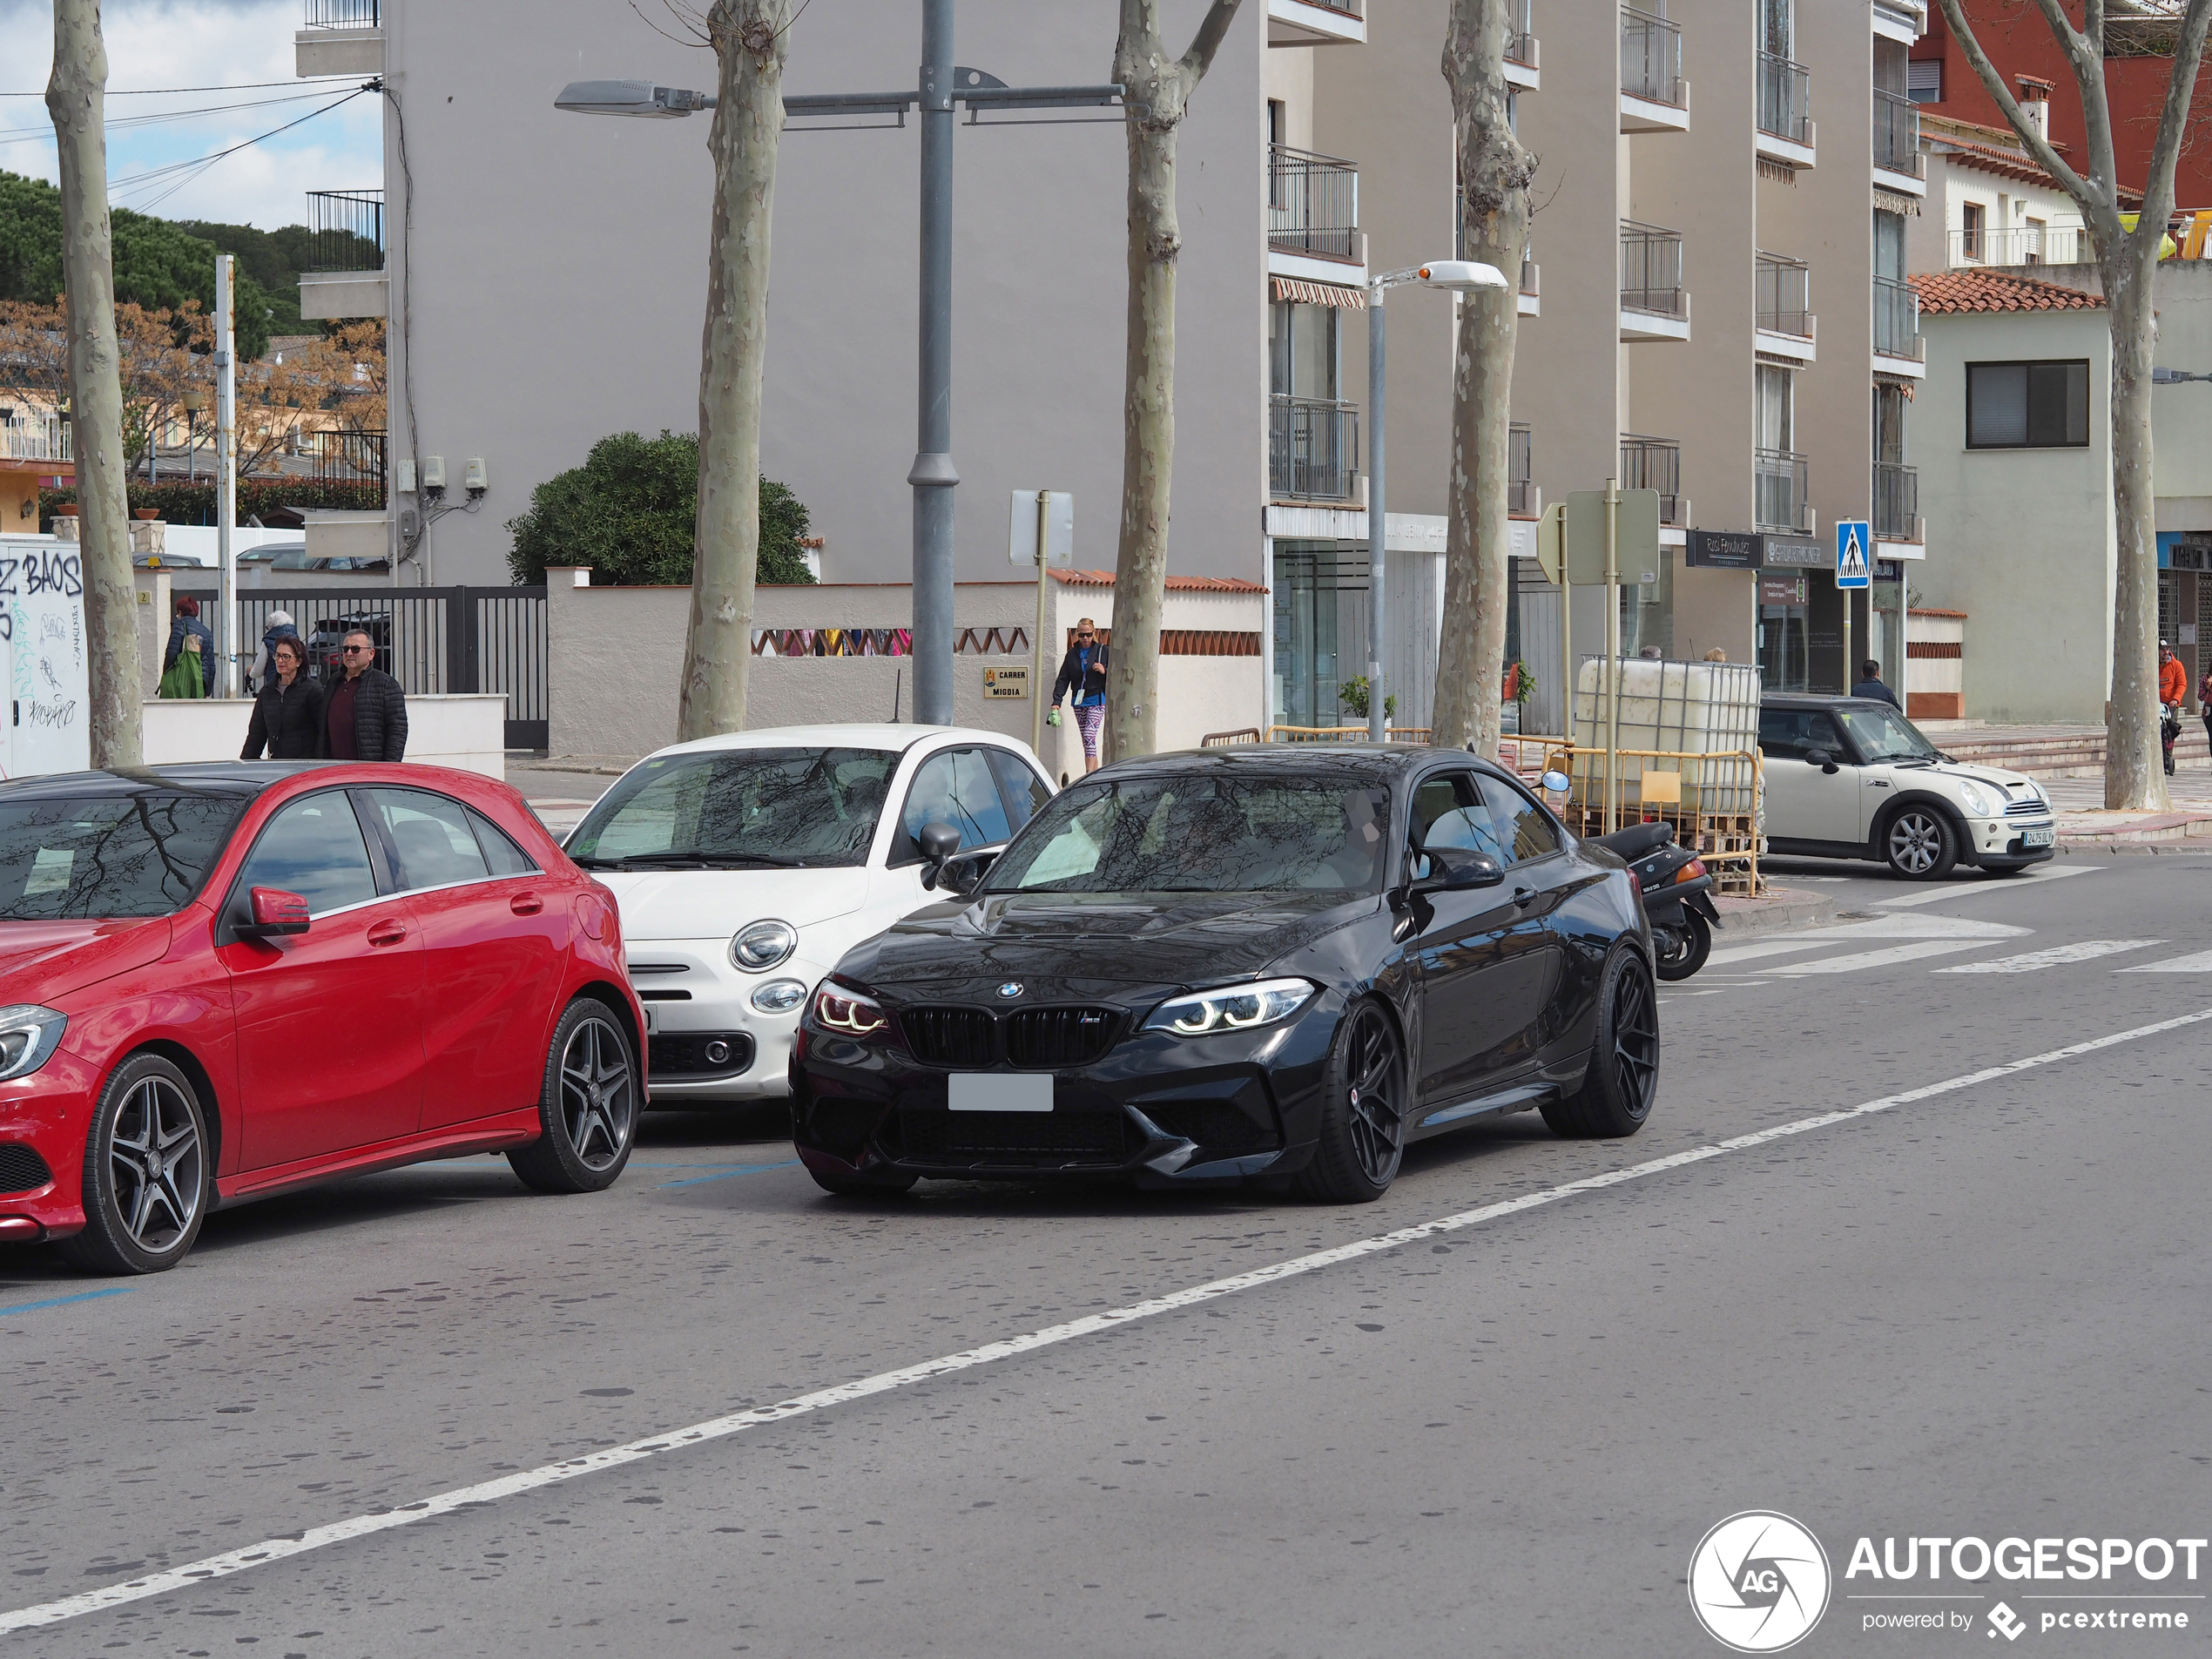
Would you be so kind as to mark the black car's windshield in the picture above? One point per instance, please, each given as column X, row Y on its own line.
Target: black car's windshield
column 109, row 857
column 1203, row 835
column 738, row 808
column 1884, row 734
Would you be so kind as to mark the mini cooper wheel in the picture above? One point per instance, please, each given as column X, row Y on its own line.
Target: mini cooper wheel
column 1920, row 844
column 1623, row 1079
column 145, row 1172
column 1363, row 1111
column 1684, row 948
column 588, row 1108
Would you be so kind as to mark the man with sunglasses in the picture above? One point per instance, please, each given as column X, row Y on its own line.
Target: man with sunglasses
column 1082, row 676
column 368, row 710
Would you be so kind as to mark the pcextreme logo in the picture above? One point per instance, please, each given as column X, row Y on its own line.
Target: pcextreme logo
column 1758, row 1582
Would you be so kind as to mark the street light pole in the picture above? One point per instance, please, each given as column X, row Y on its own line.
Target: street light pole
column 933, row 476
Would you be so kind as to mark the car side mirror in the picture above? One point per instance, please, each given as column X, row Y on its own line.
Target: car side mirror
column 938, row 843
column 1452, row 869
column 272, row 910
column 961, row 876
column 1821, row 758
column 1556, row 783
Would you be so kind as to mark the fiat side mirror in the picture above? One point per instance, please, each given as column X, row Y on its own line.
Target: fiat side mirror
column 272, row 910
column 938, row 843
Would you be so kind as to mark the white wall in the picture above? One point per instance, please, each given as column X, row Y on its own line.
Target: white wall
column 2181, row 415
column 467, row 733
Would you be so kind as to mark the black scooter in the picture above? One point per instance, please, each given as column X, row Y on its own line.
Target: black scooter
column 1678, row 896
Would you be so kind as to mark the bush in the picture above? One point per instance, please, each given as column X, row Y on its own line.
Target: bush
column 631, row 512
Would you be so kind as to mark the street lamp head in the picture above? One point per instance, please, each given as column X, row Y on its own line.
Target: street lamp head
column 640, row 99
column 1462, row 276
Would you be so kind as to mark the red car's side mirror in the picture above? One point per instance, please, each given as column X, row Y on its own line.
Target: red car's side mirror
column 274, row 911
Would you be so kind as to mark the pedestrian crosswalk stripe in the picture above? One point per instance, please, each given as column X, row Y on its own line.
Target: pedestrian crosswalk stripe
column 2057, row 955
column 2200, row 963
column 1895, row 954
column 1971, row 889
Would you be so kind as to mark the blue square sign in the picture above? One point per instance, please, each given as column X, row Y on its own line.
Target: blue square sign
column 1854, row 553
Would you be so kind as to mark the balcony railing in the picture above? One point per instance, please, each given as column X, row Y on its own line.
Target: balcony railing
column 1312, row 449
column 1521, row 33
column 1651, row 58
column 345, row 230
column 1654, row 463
column 347, row 457
column 36, row 440
column 1778, row 495
column 1896, row 135
column 2063, row 244
column 1785, row 98
column 345, row 14
column 1897, row 319
column 1897, row 502
column 1784, row 296
column 1651, row 269
column 1313, row 204
column 1521, row 494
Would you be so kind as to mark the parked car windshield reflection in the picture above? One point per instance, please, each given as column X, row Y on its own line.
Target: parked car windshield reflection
column 735, row 807
column 114, row 857
column 1184, row 834
column 1884, row 734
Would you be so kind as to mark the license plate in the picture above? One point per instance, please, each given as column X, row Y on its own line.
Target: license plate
column 985, row 1092
column 2037, row 837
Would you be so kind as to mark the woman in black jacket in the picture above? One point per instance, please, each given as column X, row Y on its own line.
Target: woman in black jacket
column 287, row 713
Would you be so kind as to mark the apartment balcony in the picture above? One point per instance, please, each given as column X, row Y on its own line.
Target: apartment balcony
column 1656, row 463
column 1783, row 125
column 1317, row 23
column 1899, row 348
column 1653, row 303
column 1313, row 449
column 1524, row 499
column 343, row 275
column 1902, row 21
column 1654, row 96
column 1899, row 163
column 1897, row 504
column 44, row 439
column 1780, row 500
column 1531, row 292
column 1784, row 324
column 1314, row 218
column 341, row 37
column 2061, row 244
column 1524, row 65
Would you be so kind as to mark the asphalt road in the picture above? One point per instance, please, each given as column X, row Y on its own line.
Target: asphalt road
column 1977, row 1312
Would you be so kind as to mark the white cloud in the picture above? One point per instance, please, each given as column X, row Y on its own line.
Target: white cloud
column 197, row 43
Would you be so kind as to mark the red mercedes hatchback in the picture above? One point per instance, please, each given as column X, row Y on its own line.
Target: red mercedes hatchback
column 219, row 982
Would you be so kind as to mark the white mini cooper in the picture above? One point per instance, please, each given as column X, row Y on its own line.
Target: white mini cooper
column 1851, row 778
column 745, row 865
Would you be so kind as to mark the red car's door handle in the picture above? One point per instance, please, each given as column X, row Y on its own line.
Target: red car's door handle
column 526, row 904
column 387, row 932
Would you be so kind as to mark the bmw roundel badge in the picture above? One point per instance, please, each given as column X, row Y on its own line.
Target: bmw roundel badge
column 1011, row 989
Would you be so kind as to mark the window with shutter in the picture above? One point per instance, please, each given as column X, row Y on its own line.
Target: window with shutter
column 2027, row 405
column 1923, row 80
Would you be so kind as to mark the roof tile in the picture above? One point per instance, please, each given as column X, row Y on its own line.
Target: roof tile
column 1975, row 291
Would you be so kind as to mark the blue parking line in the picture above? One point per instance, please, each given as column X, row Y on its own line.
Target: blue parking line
column 63, row 1301
column 743, row 1169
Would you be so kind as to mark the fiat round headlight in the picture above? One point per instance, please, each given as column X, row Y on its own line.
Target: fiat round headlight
column 779, row 996
column 29, row 1036
column 1233, row 1008
column 763, row 945
column 1977, row 803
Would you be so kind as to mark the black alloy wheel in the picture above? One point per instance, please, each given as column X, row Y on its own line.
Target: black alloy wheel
column 588, row 1108
column 145, row 1172
column 1616, row 1092
column 1920, row 844
column 1363, row 1111
column 1681, row 947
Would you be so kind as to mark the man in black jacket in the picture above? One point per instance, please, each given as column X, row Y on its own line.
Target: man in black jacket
column 368, row 710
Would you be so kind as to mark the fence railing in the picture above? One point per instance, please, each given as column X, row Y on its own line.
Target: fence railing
column 47, row 440
column 1313, row 203
column 1896, row 501
column 1312, row 449
column 1784, row 295
column 1651, row 58
column 1785, row 98
column 1896, row 135
column 1780, row 488
column 347, row 457
column 1521, row 494
column 1654, row 463
column 1897, row 319
column 1651, row 269
column 345, row 14
column 2061, row 244
column 1521, row 33
column 345, row 230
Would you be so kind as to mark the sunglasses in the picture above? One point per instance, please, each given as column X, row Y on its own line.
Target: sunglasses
column 360, row 651
column 1086, row 634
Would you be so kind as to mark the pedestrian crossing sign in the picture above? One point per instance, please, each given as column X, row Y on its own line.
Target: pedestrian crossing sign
column 1852, row 540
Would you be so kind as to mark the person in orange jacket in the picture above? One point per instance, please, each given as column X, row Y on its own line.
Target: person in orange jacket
column 2172, row 687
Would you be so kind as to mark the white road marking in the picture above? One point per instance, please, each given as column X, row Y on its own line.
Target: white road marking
column 2082, row 951
column 1867, row 959
column 2001, row 884
column 2200, row 963
column 315, row 1538
column 1879, row 927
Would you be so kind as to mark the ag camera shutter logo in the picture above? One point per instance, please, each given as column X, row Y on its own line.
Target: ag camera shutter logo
column 1758, row 1582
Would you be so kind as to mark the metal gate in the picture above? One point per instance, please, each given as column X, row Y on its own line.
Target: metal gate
column 432, row 640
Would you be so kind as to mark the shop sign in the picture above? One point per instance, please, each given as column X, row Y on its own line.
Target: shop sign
column 1798, row 552
column 1723, row 550
column 1781, row 590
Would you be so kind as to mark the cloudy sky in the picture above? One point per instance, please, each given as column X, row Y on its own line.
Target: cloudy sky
column 225, row 44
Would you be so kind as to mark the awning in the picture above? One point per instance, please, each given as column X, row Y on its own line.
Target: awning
column 1320, row 293
column 1891, row 201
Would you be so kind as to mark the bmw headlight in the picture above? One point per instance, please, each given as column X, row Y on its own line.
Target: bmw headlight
column 763, row 945
column 1977, row 803
column 779, row 996
column 29, row 1036
column 1233, row 1008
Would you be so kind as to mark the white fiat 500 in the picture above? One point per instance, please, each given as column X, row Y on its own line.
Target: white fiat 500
column 1851, row 778
column 746, row 865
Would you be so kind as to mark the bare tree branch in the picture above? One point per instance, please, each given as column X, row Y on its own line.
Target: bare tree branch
column 2100, row 211
column 2158, row 188
column 1211, row 32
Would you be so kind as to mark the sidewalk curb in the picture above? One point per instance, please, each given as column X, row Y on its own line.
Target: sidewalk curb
column 1783, row 908
column 2197, row 845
